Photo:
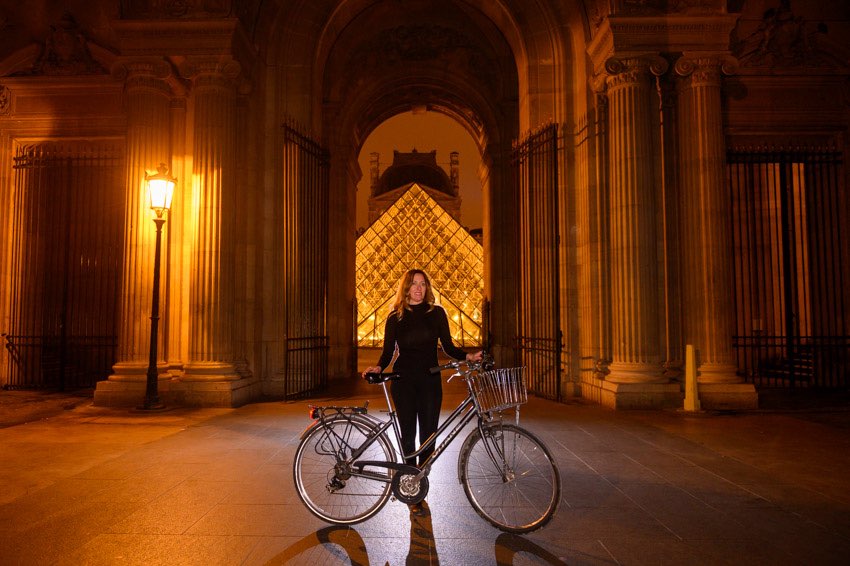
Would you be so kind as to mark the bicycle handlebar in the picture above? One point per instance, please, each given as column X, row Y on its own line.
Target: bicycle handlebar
column 486, row 363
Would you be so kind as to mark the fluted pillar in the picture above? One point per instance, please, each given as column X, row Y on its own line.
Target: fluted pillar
column 636, row 339
column 591, row 240
column 708, row 308
column 212, row 286
column 148, row 133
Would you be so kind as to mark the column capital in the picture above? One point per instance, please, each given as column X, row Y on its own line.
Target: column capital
column 633, row 69
column 223, row 72
column 153, row 73
column 155, row 67
column 598, row 83
column 705, row 68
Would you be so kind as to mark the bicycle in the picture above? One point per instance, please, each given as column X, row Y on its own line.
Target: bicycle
column 346, row 469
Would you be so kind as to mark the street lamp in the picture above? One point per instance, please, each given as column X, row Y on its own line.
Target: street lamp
column 161, row 189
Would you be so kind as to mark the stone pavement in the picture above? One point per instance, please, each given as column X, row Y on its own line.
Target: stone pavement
column 91, row 485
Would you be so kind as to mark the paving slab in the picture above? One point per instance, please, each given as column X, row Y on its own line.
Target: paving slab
column 93, row 485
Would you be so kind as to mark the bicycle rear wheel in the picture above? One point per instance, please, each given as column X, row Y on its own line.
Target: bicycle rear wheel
column 325, row 483
column 509, row 477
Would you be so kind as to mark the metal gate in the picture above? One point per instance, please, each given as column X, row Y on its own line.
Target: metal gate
column 540, row 340
column 306, row 186
column 68, row 218
column 790, row 273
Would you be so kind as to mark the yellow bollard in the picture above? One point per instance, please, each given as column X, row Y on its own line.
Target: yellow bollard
column 691, row 396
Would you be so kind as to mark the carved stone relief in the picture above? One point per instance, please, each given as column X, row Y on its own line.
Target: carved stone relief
column 782, row 39
column 65, row 52
column 424, row 43
column 5, row 100
column 174, row 8
column 654, row 7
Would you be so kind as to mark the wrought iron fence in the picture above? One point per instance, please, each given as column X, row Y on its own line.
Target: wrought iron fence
column 58, row 362
column 777, row 361
column 306, row 365
column 792, row 301
column 542, row 357
column 535, row 164
column 66, row 258
column 304, row 278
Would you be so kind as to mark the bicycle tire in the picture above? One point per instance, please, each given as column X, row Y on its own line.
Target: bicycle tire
column 340, row 498
column 523, row 500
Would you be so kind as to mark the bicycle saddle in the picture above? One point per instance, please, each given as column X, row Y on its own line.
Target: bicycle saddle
column 381, row 377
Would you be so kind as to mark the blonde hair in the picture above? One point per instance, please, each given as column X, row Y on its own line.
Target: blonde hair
column 401, row 304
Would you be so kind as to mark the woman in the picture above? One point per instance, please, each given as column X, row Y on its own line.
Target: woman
column 414, row 326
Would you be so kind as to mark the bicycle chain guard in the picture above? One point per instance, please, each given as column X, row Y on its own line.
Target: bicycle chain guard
column 405, row 487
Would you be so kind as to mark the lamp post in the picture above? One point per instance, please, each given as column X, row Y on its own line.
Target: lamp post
column 161, row 190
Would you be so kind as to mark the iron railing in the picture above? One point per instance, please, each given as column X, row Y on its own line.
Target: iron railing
column 57, row 362
column 777, row 361
column 306, row 365
column 304, row 277
column 65, row 263
column 535, row 164
column 788, row 218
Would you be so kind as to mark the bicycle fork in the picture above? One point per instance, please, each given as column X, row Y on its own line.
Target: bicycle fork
column 494, row 445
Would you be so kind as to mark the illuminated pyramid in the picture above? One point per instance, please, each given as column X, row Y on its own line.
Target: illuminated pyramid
column 416, row 232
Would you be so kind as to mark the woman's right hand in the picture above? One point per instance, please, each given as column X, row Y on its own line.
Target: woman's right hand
column 371, row 369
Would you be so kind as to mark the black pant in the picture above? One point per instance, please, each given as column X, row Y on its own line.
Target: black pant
column 417, row 397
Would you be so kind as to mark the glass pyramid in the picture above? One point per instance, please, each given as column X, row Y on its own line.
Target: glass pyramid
column 416, row 232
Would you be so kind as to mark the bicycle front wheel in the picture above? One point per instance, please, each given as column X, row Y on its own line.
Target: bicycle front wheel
column 509, row 477
column 325, row 482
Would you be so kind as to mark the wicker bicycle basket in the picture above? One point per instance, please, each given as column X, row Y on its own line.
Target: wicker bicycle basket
column 499, row 389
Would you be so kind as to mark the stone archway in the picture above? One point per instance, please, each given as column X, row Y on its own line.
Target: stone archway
column 395, row 67
column 497, row 68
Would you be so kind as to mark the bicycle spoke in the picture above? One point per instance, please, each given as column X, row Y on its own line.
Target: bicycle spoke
column 510, row 479
column 325, row 482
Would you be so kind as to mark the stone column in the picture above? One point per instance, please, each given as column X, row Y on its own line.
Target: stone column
column 632, row 225
column 705, row 220
column 148, row 134
column 177, row 295
column 707, row 298
column 600, row 243
column 213, row 284
column 592, row 244
column 584, row 210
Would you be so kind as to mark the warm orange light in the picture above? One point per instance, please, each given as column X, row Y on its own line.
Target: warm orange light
column 388, row 250
column 161, row 189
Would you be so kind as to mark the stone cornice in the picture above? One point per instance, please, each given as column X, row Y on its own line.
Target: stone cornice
column 50, row 84
column 183, row 38
column 29, row 98
column 621, row 36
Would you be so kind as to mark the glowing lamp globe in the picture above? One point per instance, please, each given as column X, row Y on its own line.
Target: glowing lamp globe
column 160, row 189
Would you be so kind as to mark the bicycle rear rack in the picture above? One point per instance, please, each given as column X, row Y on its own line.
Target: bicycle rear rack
column 318, row 412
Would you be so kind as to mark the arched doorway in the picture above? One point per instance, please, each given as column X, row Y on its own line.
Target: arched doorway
column 346, row 67
column 418, row 59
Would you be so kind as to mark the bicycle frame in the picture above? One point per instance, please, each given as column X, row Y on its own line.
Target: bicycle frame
column 464, row 412
column 333, row 451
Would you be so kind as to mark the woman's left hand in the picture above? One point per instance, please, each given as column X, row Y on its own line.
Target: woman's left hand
column 476, row 357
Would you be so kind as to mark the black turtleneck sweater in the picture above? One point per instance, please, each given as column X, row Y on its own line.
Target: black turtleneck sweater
column 416, row 335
